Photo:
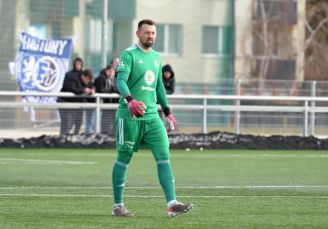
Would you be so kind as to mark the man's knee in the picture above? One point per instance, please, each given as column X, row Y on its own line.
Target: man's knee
column 124, row 157
column 161, row 154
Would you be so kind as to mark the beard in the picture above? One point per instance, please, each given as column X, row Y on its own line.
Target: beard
column 148, row 43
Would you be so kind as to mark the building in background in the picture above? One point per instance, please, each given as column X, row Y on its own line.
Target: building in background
column 191, row 40
column 270, row 39
column 206, row 41
column 220, row 47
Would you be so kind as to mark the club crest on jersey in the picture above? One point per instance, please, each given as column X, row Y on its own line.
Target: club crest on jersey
column 149, row 77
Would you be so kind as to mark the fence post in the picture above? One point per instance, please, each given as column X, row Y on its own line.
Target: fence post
column 313, row 94
column 98, row 115
column 104, row 32
column 305, row 123
column 237, row 118
column 204, row 116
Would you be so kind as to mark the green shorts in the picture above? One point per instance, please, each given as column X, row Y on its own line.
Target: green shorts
column 132, row 134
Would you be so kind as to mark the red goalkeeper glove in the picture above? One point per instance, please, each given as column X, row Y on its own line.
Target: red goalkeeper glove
column 136, row 108
column 170, row 123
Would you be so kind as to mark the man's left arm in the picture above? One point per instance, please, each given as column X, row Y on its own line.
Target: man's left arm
column 162, row 99
column 161, row 95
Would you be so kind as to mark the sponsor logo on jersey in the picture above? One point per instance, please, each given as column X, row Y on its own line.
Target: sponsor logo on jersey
column 149, row 77
column 147, row 88
column 140, row 62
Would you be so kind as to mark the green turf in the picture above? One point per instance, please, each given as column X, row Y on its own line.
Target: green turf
column 48, row 188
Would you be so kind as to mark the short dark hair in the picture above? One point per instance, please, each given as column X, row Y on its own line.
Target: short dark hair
column 145, row 21
column 78, row 59
column 110, row 66
column 88, row 73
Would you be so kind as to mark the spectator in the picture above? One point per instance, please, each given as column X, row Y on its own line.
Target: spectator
column 106, row 83
column 168, row 79
column 168, row 82
column 78, row 83
column 90, row 113
column 66, row 115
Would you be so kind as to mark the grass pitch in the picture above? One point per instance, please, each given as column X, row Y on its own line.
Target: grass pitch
column 48, row 188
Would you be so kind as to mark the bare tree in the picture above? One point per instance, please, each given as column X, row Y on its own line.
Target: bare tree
column 263, row 34
column 316, row 43
column 272, row 43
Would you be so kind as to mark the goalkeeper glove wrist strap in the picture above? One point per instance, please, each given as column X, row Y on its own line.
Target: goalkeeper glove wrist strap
column 166, row 111
column 128, row 98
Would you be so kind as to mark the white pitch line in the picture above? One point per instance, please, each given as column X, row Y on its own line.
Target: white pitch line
column 228, row 156
column 187, row 155
column 60, row 154
column 39, row 161
column 181, row 187
column 158, row 196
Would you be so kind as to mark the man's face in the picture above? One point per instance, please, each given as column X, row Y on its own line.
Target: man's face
column 78, row 65
column 147, row 35
column 110, row 73
column 85, row 79
column 167, row 74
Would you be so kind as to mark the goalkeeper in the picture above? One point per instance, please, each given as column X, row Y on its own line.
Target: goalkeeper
column 139, row 81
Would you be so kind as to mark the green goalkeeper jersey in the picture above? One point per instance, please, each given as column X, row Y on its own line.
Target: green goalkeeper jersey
column 139, row 73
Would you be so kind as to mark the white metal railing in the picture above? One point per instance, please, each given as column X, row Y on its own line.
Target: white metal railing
column 308, row 108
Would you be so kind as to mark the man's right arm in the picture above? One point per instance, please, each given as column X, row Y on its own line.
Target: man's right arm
column 123, row 72
column 136, row 108
column 122, row 78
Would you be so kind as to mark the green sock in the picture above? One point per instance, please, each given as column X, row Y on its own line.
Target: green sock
column 118, row 181
column 166, row 179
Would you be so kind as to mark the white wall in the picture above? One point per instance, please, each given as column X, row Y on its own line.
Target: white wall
column 192, row 66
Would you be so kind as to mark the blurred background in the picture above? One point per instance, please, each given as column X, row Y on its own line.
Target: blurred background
column 216, row 47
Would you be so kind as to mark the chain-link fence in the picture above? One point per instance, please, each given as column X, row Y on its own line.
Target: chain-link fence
column 199, row 44
column 264, row 115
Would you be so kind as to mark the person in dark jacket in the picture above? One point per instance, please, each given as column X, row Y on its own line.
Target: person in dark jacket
column 106, row 83
column 76, row 81
column 72, row 74
column 168, row 79
column 168, row 82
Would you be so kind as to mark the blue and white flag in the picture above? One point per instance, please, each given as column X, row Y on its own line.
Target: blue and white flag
column 41, row 64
